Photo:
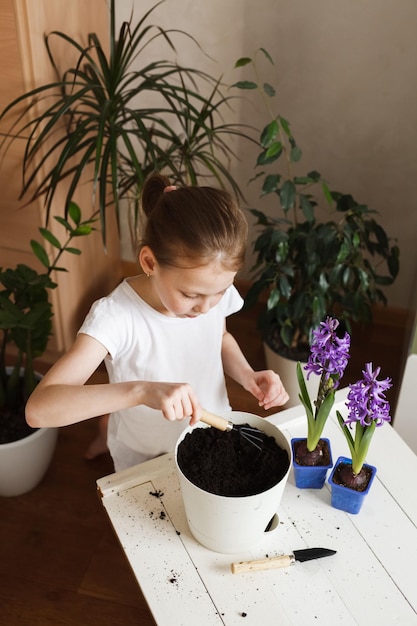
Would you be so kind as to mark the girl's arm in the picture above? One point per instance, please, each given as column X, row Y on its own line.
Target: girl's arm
column 265, row 385
column 63, row 398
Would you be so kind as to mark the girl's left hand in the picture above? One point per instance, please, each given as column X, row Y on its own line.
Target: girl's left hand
column 267, row 388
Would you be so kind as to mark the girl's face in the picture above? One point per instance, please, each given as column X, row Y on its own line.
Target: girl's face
column 187, row 292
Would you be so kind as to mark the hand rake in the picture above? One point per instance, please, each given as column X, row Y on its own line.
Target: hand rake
column 252, row 435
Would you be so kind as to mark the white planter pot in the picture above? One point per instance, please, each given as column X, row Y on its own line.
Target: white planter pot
column 287, row 370
column 23, row 463
column 233, row 524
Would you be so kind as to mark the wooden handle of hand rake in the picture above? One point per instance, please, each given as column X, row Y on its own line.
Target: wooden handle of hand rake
column 215, row 420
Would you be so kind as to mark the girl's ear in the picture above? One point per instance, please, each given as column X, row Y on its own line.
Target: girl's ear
column 147, row 260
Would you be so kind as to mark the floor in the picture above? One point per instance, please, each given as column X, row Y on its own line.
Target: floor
column 60, row 563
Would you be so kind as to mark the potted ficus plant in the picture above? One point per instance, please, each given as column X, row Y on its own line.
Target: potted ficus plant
column 116, row 115
column 368, row 409
column 318, row 252
column 328, row 359
column 25, row 328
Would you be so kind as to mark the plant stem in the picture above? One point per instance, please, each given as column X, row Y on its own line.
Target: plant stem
column 280, row 132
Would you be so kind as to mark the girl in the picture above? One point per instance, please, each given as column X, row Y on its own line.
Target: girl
column 162, row 334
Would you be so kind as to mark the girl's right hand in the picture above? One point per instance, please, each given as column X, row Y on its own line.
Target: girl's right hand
column 176, row 400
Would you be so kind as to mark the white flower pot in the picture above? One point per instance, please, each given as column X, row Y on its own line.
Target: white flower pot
column 233, row 524
column 287, row 370
column 24, row 463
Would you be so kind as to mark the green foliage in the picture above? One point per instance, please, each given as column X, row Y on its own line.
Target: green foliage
column 25, row 310
column 317, row 416
column 121, row 121
column 359, row 444
column 310, row 267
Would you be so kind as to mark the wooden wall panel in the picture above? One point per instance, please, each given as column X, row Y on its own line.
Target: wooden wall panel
column 24, row 65
column 17, row 225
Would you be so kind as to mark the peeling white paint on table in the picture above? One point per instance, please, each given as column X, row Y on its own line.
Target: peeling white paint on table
column 371, row 579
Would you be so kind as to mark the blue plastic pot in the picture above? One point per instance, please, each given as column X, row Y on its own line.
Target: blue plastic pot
column 345, row 498
column 310, row 476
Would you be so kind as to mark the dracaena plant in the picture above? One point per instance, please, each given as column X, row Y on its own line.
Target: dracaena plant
column 328, row 359
column 124, row 116
column 318, row 252
column 26, row 313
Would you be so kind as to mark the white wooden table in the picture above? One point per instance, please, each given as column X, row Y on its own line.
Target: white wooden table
column 371, row 580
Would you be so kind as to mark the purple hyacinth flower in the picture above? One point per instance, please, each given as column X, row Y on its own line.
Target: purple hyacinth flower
column 329, row 353
column 366, row 399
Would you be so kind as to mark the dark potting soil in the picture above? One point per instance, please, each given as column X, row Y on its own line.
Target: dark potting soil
column 319, row 456
column 273, row 339
column 13, row 425
column 226, row 464
column 343, row 475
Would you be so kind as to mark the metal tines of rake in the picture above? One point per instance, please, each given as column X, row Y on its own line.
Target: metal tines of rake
column 252, row 435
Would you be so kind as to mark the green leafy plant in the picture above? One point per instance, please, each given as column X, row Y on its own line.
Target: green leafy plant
column 121, row 121
column 318, row 252
column 26, row 313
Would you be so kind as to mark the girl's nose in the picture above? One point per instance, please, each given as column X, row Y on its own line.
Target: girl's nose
column 203, row 306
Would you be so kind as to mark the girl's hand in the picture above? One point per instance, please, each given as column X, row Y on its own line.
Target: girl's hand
column 267, row 388
column 176, row 400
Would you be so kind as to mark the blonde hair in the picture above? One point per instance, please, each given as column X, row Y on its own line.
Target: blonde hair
column 193, row 224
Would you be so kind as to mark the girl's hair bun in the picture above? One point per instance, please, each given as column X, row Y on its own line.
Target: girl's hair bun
column 153, row 190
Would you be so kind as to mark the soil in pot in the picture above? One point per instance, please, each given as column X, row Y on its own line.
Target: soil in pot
column 319, row 456
column 13, row 425
column 343, row 475
column 300, row 352
column 226, row 464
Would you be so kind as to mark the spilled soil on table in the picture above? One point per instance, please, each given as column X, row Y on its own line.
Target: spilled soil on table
column 227, row 464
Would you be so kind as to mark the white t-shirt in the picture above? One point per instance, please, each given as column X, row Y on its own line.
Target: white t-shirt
column 144, row 344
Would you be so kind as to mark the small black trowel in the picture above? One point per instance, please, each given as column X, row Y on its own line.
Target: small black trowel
column 285, row 560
